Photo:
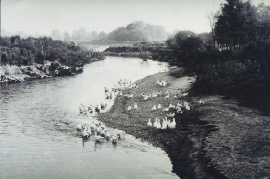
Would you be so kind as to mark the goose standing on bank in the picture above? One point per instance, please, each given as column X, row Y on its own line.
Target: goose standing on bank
column 159, row 106
column 171, row 115
column 164, row 124
column 149, row 123
column 185, row 94
column 187, row 106
column 158, row 124
column 135, row 106
column 155, row 123
column 154, row 108
column 145, row 97
column 166, row 109
column 172, row 125
column 129, row 108
column 171, row 106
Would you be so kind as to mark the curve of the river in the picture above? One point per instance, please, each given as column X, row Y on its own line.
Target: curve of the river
column 34, row 144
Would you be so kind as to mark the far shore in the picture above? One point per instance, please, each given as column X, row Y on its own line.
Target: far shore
column 215, row 139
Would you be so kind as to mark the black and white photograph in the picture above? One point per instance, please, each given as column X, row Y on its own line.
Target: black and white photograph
column 135, row 89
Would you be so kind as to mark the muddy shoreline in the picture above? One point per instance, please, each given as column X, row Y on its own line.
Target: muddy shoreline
column 184, row 145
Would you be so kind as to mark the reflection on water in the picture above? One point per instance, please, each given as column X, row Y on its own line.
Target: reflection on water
column 35, row 141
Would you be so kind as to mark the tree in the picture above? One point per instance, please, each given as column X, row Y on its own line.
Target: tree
column 102, row 35
column 94, row 35
column 263, row 19
column 56, row 34
column 67, row 36
column 236, row 24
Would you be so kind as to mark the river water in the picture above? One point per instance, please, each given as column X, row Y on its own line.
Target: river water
column 35, row 142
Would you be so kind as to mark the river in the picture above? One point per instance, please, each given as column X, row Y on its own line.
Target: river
column 35, row 142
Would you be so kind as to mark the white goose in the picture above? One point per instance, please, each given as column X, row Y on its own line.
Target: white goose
column 159, row 106
column 98, row 129
column 158, row 124
column 172, row 125
column 201, row 101
column 159, row 93
column 135, row 106
column 98, row 138
column 164, row 124
column 176, row 96
column 131, row 96
column 187, row 106
column 89, row 130
column 179, row 105
column 154, row 108
column 166, row 109
column 93, row 126
column 154, row 95
column 102, row 133
column 167, row 122
column 164, row 83
column 121, row 134
column 185, row 94
column 114, row 141
column 85, row 133
column 107, row 135
column 171, row 106
column 179, row 110
column 155, row 123
column 145, row 97
column 149, row 123
column 171, row 115
column 129, row 108
column 79, row 127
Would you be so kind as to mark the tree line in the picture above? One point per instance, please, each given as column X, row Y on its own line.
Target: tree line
column 26, row 51
column 234, row 58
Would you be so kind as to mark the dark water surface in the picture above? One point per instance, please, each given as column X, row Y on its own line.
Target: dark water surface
column 35, row 142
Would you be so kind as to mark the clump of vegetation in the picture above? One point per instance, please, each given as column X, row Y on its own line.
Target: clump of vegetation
column 233, row 59
column 18, row 51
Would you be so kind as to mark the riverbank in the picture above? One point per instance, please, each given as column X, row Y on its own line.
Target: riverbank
column 217, row 139
column 35, row 58
column 14, row 73
column 145, row 50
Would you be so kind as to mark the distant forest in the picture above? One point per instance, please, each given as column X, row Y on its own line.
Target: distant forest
column 136, row 31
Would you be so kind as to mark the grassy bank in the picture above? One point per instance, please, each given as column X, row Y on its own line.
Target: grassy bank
column 217, row 139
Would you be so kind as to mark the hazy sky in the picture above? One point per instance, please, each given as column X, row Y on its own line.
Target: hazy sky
column 106, row 15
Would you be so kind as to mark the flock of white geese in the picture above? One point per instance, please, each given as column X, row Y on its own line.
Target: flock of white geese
column 101, row 132
column 166, row 123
